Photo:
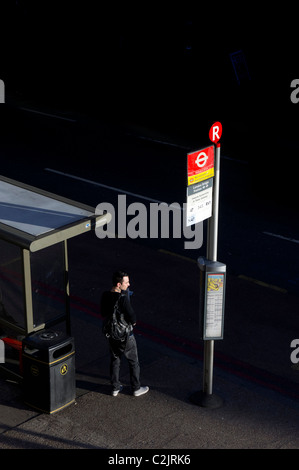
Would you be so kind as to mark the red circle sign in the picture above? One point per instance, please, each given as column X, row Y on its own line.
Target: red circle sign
column 215, row 132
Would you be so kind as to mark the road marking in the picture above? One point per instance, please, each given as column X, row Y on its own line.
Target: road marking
column 11, row 261
column 262, row 283
column 171, row 253
column 112, row 188
column 55, row 116
column 178, row 146
column 157, row 141
column 240, row 276
column 141, row 137
column 282, row 237
column 236, row 160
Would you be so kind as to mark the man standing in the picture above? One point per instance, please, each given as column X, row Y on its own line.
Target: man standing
column 128, row 348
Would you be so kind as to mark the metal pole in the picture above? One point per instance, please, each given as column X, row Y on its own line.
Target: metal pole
column 213, row 221
column 212, row 241
column 67, row 290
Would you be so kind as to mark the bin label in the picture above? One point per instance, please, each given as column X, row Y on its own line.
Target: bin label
column 63, row 369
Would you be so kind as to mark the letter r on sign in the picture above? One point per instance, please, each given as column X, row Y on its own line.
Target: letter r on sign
column 216, row 133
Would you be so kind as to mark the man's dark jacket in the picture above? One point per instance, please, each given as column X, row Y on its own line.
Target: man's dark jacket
column 109, row 300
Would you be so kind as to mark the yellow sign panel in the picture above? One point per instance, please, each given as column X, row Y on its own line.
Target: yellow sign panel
column 201, row 176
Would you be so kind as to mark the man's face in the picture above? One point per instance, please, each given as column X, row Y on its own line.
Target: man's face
column 125, row 283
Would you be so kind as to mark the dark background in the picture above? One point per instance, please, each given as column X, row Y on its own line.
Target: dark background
column 164, row 66
column 123, row 58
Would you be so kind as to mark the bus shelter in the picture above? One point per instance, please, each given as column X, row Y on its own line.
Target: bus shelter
column 34, row 286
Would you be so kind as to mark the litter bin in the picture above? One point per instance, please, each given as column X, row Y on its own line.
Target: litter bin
column 49, row 370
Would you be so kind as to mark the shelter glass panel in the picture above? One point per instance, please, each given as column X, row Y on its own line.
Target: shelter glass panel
column 12, row 307
column 48, row 284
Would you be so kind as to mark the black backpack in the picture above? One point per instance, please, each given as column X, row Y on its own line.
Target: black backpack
column 115, row 326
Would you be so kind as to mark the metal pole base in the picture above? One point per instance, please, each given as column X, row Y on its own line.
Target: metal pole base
column 206, row 400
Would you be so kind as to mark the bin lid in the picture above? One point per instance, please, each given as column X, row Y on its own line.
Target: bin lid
column 34, row 219
column 46, row 339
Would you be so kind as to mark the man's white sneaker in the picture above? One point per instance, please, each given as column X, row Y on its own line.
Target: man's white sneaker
column 116, row 392
column 140, row 391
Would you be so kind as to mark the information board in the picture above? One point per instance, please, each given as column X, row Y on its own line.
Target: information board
column 213, row 327
column 212, row 298
column 199, row 202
